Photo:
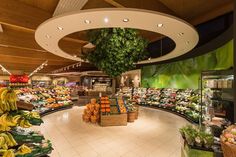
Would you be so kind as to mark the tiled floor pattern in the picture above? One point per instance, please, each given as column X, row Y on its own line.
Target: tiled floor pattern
column 154, row 134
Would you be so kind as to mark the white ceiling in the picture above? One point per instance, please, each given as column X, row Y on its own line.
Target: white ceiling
column 182, row 33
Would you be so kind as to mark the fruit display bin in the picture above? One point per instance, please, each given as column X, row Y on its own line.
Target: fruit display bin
column 114, row 120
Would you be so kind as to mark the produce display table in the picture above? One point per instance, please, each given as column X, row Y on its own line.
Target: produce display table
column 114, row 120
column 60, row 108
column 110, row 112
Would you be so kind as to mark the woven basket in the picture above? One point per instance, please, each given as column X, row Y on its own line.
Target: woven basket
column 229, row 150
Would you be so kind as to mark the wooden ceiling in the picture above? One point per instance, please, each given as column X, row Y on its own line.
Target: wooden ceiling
column 20, row 18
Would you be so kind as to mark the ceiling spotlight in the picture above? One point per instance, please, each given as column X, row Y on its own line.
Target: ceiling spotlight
column 125, row 20
column 149, row 58
column 180, row 34
column 48, row 36
column 59, row 28
column 87, row 21
column 106, row 20
column 160, row 25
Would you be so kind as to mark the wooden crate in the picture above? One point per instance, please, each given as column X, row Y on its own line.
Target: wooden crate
column 25, row 106
column 113, row 120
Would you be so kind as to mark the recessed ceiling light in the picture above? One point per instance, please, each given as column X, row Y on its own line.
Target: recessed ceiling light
column 48, row 36
column 160, row 25
column 125, row 20
column 59, row 28
column 87, row 21
column 106, row 20
column 180, row 34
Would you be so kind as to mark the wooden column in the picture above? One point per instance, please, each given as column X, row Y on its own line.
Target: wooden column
column 114, row 86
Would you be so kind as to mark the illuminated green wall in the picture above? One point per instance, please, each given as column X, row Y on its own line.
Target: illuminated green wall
column 186, row 73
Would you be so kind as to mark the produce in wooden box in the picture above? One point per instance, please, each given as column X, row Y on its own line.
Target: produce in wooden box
column 91, row 112
column 105, row 105
column 121, row 106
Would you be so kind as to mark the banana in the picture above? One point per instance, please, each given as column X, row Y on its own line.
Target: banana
column 4, row 146
column 2, row 151
column 7, row 139
column 35, row 115
column 3, row 107
column 3, row 95
column 9, row 120
column 9, row 153
column 2, row 141
column 2, row 90
column 13, row 141
column 16, row 118
column 27, row 124
column 3, row 123
column 23, row 149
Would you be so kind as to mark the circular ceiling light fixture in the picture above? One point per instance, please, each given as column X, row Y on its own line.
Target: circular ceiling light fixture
column 160, row 25
column 106, row 20
column 48, row 36
column 125, row 20
column 59, row 28
column 87, row 21
column 172, row 24
column 180, row 34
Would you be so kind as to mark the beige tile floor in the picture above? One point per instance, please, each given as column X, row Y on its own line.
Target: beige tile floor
column 154, row 134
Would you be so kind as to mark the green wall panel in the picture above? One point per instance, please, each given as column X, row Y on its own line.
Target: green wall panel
column 186, row 73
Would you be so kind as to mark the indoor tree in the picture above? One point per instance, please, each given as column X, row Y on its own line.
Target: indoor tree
column 117, row 50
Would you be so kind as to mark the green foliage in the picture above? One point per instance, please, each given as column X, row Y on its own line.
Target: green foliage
column 185, row 74
column 117, row 50
column 197, row 136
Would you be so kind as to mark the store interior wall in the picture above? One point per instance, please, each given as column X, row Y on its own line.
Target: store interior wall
column 60, row 80
column 131, row 78
column 186, row 74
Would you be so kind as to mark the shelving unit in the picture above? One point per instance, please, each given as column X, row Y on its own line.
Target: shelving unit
column 217, row 93
column 46, row 101
column 182, row 102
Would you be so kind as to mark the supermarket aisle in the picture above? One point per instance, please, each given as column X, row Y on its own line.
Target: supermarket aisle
column 154, row 134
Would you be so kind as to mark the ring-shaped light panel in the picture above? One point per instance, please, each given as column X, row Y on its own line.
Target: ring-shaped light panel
column 49, row 33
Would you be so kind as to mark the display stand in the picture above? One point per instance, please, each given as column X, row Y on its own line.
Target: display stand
column 220, row 83
column 60, row 108
column 114, row 120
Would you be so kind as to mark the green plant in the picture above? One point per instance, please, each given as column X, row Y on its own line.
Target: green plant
column 197, row 136
column 117, row 50
column 208, row 140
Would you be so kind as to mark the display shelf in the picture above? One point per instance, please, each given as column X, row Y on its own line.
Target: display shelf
column 172, row 111
column 217, row 91
column 60, row 108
